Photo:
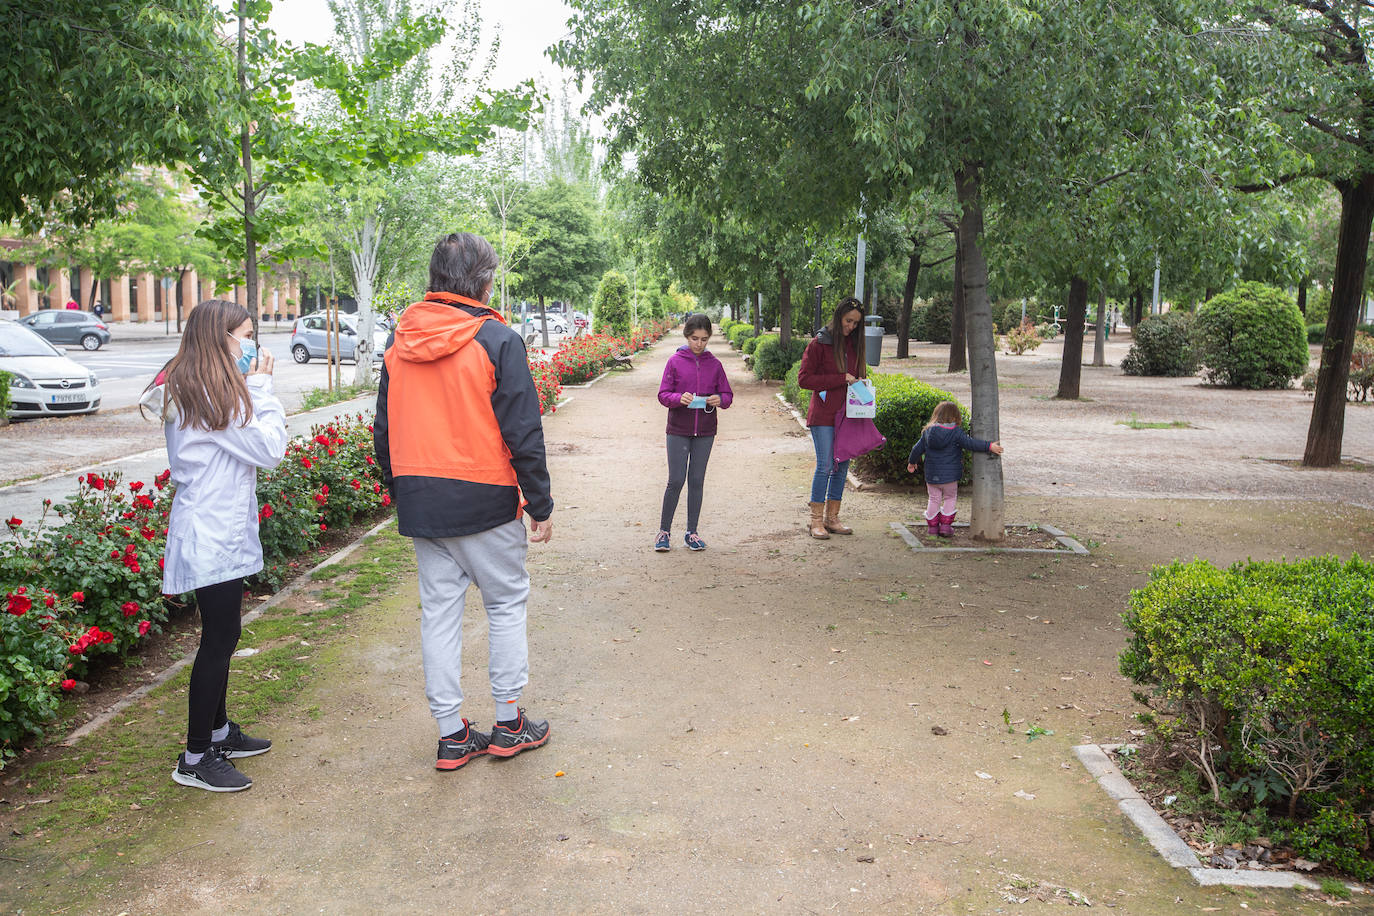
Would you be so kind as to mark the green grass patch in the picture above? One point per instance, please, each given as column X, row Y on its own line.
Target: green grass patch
column 1136, row 423
column 113, row 791
column 323, row 397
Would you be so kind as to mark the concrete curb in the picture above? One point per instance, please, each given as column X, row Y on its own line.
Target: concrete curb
column 1097, row 761
column 1070, row 545
column 267, row 604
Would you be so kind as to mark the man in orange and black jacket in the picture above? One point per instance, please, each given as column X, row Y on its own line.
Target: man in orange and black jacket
column 461, row 447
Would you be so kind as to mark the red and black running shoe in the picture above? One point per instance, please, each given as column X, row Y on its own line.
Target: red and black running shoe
column 524, row 735
column 455, row 752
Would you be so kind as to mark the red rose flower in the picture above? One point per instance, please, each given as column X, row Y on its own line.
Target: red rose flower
column 323, row 526
column 49, row 601
column 78, row 597
column 18, row 604
column 144, row 626
column 305, row 462
column 130, row 608
column 356, row 485
column 135, row 486
column 95, row 481
column 386, row 499
column 14, row 522
column 69, row 684
column 161, row 563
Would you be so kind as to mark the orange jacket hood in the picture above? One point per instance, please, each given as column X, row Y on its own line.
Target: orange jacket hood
column 432, row 329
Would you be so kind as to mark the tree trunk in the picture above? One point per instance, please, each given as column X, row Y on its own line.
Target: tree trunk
column 784, row 309
column 544, row 321
column 988, row 520
column 1071, row 366
column 364, row 260
column 913, row 271
column 757, row 298
column 1302, row 296
column 250, row 244
column 958, row 347
column 1100, row 338
column 1138, row 310
column 1327, row 428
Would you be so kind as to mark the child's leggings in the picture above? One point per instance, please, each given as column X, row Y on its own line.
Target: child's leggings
column 943, row 497
column 219, row 607
column 687, row 457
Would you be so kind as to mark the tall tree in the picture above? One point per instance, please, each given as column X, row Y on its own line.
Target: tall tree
column 568, row 255
column 96, row 88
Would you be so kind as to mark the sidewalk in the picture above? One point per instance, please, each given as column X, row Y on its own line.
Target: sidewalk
column 25, row 499
column 777, row 724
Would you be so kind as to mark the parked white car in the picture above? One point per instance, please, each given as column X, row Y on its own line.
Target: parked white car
column 43, row 381
column 532, row 330
column 310, row 337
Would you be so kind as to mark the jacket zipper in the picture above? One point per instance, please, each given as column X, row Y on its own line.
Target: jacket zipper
column 696, row 414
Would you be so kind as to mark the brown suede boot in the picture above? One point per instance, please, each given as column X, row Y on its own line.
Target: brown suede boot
column 832, row 518
column 817, row 528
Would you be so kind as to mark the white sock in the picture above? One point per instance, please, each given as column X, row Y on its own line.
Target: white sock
column 507, row 711
column 193, row 759
column 220, row 733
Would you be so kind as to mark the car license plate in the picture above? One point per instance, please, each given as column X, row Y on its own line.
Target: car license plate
column 67, row 397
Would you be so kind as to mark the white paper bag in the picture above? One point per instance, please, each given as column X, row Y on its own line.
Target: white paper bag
column 862, row 400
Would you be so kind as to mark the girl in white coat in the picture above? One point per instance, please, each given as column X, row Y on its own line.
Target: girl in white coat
column 222, row 423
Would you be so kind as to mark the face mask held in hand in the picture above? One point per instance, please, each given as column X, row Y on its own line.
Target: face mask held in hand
column 249, row 352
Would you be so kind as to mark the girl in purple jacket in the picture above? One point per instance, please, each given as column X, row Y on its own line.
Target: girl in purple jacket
column 694, row 387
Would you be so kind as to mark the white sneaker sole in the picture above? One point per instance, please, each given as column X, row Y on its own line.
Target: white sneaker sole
column 196, row 783
column 239, row 755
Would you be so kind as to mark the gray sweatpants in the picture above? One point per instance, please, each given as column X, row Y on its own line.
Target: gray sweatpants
column 494, row 561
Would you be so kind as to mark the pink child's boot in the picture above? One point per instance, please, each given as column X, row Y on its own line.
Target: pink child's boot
column 933, row 526
column 947, row 526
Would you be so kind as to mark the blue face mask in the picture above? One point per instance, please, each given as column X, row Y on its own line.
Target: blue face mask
column 249, row 351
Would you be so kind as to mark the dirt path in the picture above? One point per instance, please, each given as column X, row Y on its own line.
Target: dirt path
column 747, row 729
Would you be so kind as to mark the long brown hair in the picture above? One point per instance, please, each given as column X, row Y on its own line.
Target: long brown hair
column 839, row 341
column 202, row 379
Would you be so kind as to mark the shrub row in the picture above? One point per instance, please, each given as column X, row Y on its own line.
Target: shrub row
column 1162, row 346
column 1262, row 677
column 86, row 579
column 771, row 358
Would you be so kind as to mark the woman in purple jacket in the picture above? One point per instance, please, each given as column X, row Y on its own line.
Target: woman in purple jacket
column 694, row 387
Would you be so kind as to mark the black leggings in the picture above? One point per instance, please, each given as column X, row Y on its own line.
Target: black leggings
column 220, row 606
column 687, row 457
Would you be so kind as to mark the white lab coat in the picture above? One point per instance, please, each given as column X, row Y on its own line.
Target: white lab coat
column 212, row 535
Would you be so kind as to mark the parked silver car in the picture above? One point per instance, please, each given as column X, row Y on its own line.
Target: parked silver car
column 68, row 327
column 309, row 338
column 43, row 381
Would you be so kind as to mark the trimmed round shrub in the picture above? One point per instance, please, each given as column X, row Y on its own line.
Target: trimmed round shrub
column 611, row 307
column 1250, row 336
column 739, row 334
column 934, row 321
column 792, row 390
column 772, row 359
column 752, row 343
column 904, row 408
column 1162, row 345
column 1262, row 674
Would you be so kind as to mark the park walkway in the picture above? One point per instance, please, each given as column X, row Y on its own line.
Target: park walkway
column 774, row 725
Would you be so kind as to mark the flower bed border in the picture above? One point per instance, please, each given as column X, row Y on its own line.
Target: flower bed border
column 1096, row 760
column 1068, row 544
column 305, row 577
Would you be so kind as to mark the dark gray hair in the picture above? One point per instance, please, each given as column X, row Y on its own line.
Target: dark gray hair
column 462, row 263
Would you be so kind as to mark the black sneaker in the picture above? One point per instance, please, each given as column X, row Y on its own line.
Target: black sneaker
column 507, row 742
column 214, row 773
column 237, row 744
column 453, row 753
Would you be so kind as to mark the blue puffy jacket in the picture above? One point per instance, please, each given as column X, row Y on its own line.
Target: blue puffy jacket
column 944, row 447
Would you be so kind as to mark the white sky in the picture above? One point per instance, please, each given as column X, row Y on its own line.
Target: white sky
column 527, row 27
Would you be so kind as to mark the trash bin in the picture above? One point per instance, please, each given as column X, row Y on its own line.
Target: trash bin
column 873, row 340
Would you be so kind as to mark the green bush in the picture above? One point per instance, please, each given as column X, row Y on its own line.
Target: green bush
column 772, row 360
column 33, row 664
column 1262, row 673
column 739, row 334
column 1316, row 333
column 904, row 408
column 934, row 319
column 792, row 390
column 752, row 343
column 1337, row 837
column 1022, row 338
column 1250, row 336
column 1318, row 305
column 1162, row 345
column 4, row 397
column 611, row 306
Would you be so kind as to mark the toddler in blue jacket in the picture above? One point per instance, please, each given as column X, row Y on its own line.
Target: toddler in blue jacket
column 943, row 443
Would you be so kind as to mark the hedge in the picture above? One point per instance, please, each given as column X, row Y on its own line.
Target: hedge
column 904, row 408
column 739, row 334
column 1251, row 336
column 771, row 360
column 1262, row 677
column 1162, row 345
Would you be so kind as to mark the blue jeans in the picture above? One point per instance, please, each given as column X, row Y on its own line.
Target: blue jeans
column 828, row 482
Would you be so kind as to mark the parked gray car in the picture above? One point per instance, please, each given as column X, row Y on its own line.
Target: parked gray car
column 309, row 338
column 68, row 328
